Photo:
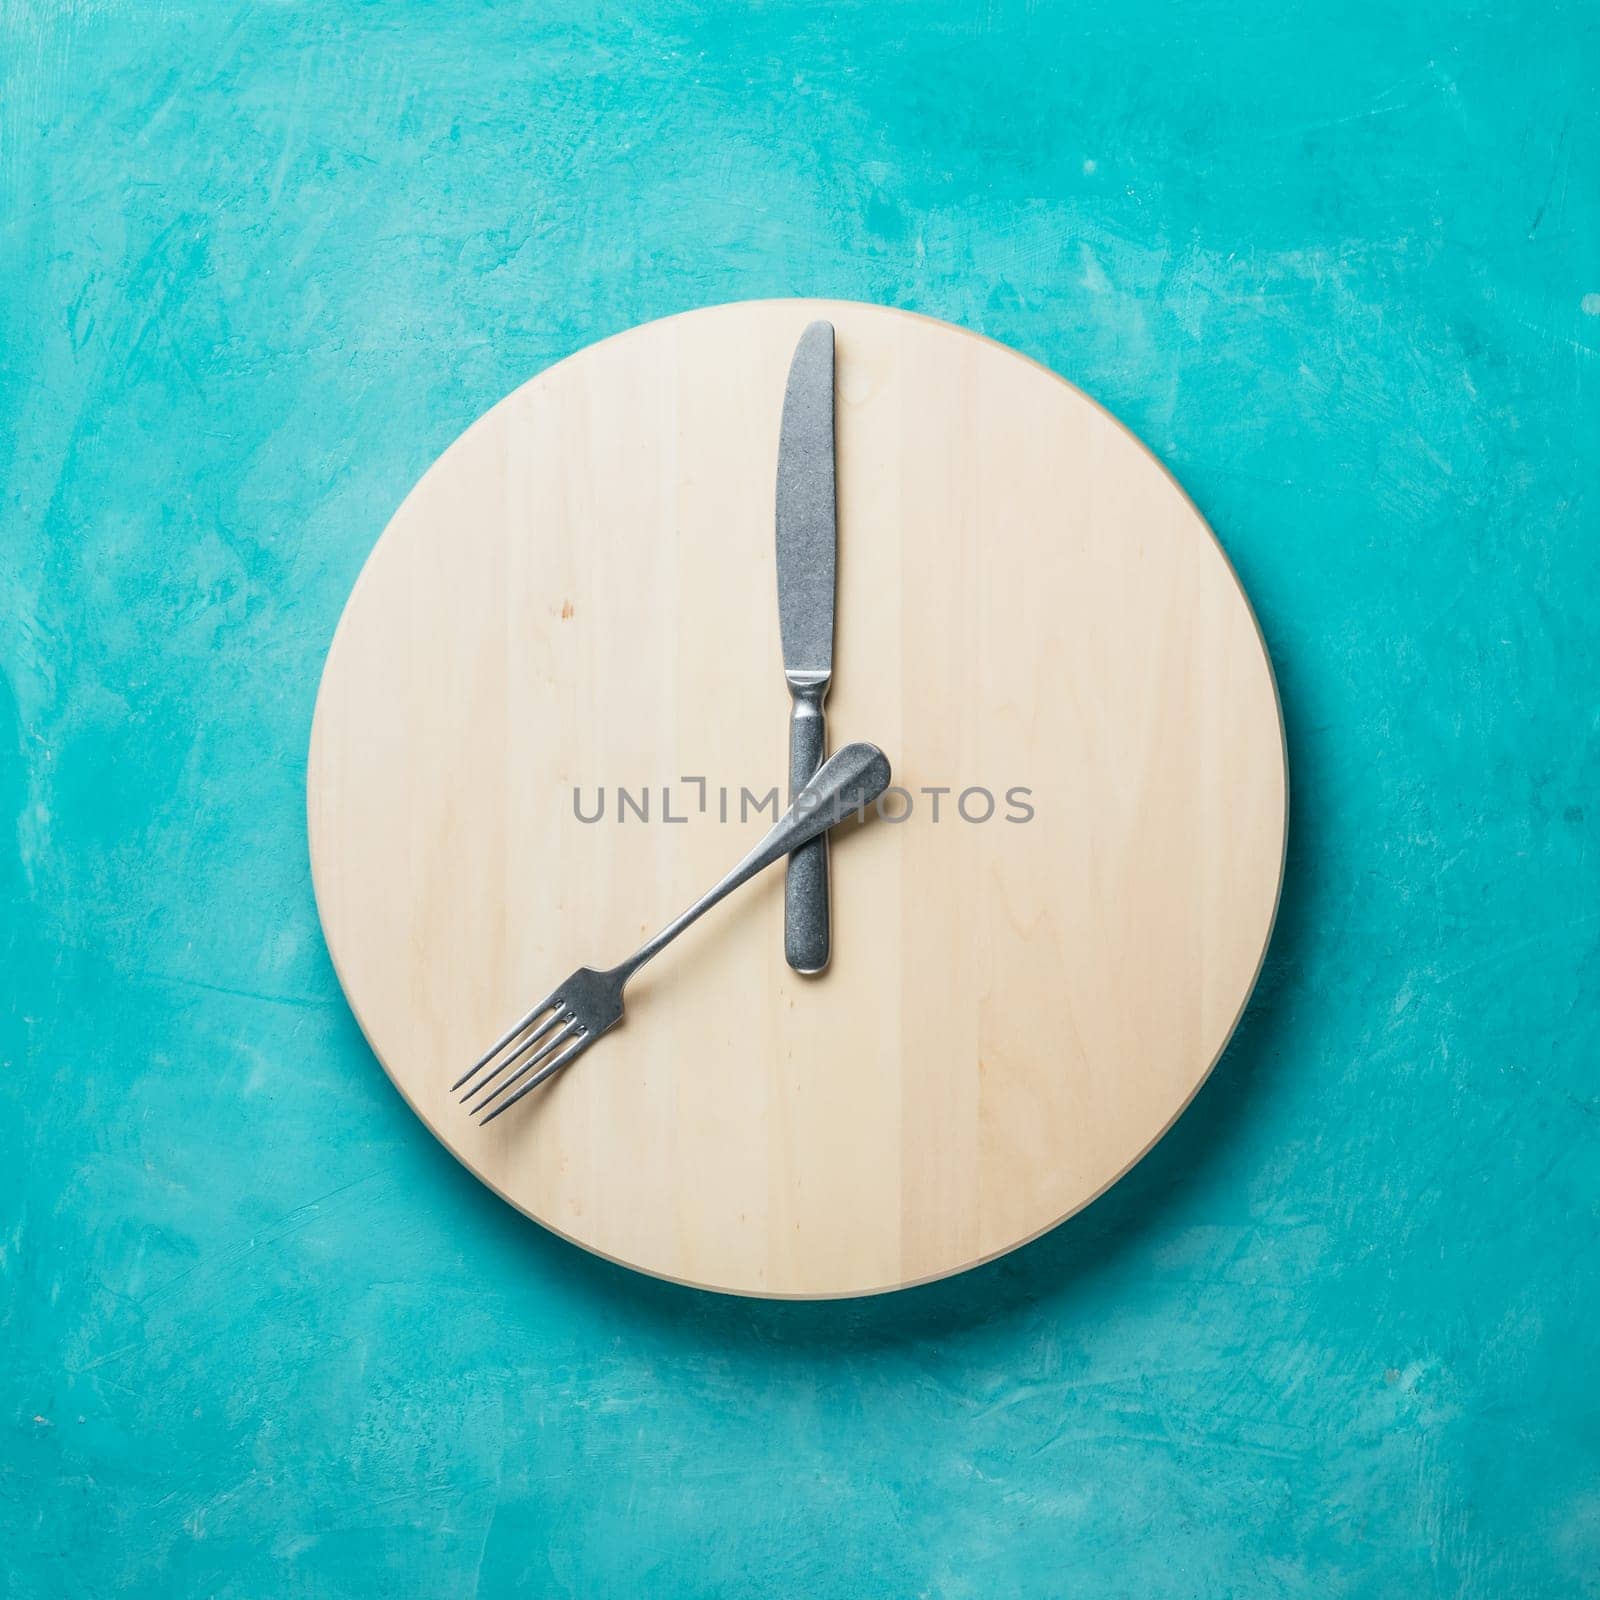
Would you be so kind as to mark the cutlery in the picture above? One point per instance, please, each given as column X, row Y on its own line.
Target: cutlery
column 807, row 549
column 589, row 1003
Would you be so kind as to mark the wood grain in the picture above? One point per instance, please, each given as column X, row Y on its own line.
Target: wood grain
column 581, row 594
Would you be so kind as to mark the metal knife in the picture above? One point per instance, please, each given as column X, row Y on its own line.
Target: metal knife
column 807, row 548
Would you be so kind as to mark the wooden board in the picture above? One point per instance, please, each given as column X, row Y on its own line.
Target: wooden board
column 581, row 594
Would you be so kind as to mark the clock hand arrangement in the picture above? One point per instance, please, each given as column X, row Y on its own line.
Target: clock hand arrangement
column 575, row 1013
column 589, row 1003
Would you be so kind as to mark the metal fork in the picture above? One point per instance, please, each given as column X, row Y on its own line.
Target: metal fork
column 575, row 1013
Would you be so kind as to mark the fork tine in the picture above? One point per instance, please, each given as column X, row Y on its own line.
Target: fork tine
column 511, row 1033
column 552, row 1001
column 558, row 1015
column 570, row 1025
column 576, row 1048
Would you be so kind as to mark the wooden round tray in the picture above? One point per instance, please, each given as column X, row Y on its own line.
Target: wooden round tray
column 579, row 597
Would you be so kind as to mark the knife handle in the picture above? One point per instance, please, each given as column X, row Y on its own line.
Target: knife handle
column 807, row 935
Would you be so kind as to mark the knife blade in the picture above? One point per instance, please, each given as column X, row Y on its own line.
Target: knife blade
column 807, row 529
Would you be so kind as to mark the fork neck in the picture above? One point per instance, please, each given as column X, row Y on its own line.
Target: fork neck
column 778, row 842
column 849, row 780
column 624, row 970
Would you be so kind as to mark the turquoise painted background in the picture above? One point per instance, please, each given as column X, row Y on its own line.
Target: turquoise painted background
column 1340, row 266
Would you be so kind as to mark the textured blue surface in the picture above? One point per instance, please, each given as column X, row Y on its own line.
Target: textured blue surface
column 1340, row 266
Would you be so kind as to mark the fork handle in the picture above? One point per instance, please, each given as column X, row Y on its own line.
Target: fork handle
column 846, row 783
column 807, row 932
